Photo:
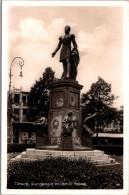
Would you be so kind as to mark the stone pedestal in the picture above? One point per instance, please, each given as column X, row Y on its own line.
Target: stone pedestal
column 41, row 136
column 87, row 141
column 67, row 143
column 97, row 157
column 64, row 96
column 41, row 141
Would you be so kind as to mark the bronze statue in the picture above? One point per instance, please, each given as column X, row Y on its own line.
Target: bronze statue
column 68, row 124
column 41, row 125
column 85, row 125
column 69, row 58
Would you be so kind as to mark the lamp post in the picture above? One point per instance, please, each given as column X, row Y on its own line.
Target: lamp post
column 20, row 61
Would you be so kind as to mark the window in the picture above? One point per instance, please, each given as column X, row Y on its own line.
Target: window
column 24, row 99
column 24, row 136
column 16, row 111
column 16, row 98
column 33, row 136
column 24, row 111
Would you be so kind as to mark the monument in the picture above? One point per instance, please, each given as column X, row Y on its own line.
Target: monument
column 64, row 118
column 65, row 98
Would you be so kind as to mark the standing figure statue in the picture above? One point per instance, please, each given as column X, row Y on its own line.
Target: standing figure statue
column 69, row 57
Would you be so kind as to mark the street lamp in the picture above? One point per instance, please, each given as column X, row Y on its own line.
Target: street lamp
column 20, row 61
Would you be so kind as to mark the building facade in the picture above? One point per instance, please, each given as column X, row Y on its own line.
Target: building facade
column 22, row 130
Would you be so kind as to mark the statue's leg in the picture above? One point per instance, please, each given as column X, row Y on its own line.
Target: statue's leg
column 75, row 72
column 64, row 69
column 68, row 68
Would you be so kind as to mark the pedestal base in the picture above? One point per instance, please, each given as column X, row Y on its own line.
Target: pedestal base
column 96, row 156
column 41, row 141
column 67, row 143
column 87, row 141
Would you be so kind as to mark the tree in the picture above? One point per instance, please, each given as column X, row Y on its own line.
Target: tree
column 39, row 95
column 120, row 118
column 99, row 99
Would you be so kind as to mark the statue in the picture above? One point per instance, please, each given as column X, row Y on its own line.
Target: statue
column 85, row 125
column 41, row 121
column 69, row 124
column 41, row 125
column 69, row 58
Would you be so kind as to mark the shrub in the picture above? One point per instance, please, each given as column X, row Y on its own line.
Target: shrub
column 109, row 145
column 62, row 173
column 108, row 141
column 11, row 148
column 112, row 150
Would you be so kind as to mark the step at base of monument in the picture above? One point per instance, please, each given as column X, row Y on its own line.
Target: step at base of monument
column 96, row 156
column 64, row 153
column 101, row 162
column 108, row 164
column 20, row 158
column 57, row 147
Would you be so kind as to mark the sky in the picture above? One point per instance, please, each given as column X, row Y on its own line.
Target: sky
column 33, row 34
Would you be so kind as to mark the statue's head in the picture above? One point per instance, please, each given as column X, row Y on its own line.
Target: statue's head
column 67, row 29
column 70, row 113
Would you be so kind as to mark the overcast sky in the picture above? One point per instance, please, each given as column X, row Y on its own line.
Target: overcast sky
column 33, row 34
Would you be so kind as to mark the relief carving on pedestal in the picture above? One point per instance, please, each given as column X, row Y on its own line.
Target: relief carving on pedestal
column 57, row 100
column 73, row 99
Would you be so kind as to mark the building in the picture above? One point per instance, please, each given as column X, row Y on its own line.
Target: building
column 115, row 126
column 112, row 127
column 21, row 129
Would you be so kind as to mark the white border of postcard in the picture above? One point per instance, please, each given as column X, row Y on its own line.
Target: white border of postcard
column 5, row 4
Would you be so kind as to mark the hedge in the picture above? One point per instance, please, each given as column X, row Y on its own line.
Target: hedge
column 62, row 173
column 108, row 141
column 14, row 147
column 109, row 145
column 112, row 150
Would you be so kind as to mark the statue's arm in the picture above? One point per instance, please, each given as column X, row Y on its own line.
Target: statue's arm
column 58, row 47
column 64, row 120
column 87, row 118
column 74, row 41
